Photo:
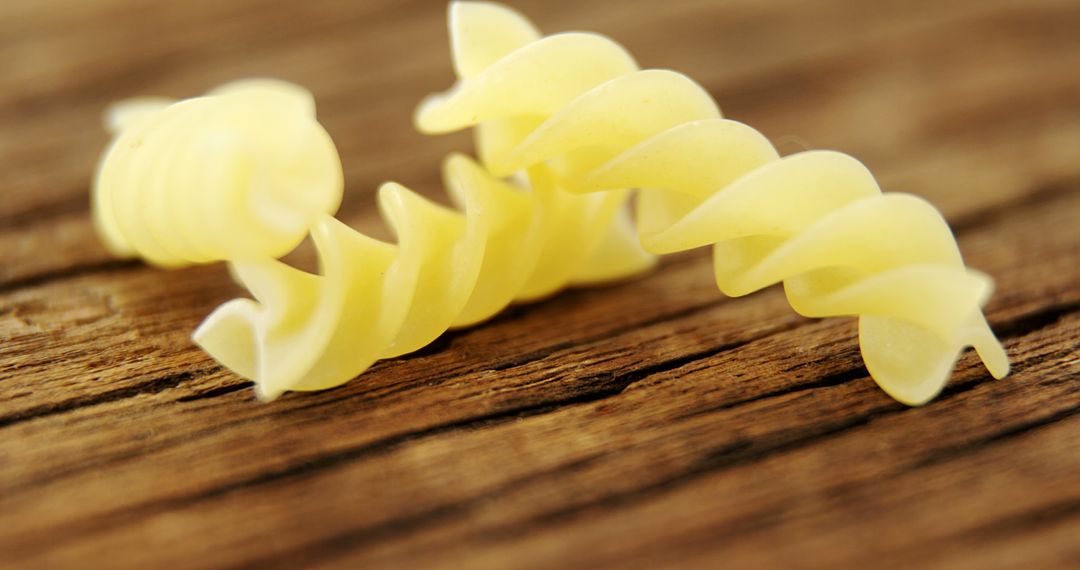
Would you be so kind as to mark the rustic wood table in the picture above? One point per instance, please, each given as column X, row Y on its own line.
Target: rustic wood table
column 649, row 423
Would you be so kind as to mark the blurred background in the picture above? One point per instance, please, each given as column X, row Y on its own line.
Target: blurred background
column 946, row 99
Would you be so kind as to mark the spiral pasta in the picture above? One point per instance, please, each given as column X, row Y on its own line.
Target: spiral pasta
column 375, row 300
column 240, row 173
column 578, row 105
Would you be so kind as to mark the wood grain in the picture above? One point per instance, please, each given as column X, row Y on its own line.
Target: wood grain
column 651, row 423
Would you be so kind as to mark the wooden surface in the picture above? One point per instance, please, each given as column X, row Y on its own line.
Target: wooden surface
column 652, row 423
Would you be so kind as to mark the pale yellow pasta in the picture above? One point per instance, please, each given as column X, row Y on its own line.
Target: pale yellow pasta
column 577, row 105
column 375, row 300
column 239, row 173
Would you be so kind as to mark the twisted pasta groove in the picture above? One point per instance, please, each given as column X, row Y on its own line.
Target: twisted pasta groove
column 376, row 300
column 577, row 105
column 239, row 173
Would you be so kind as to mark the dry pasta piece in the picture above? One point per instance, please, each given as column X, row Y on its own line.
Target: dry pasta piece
column 449, row 267
column 244, row 173
column 577, row 105
column 239, row 173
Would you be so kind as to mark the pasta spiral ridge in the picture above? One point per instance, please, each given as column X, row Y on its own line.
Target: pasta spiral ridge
column 239, row 173
column 817, row 221
column 449, row 268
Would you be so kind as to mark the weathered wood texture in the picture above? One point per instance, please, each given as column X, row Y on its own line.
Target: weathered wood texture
column 644, row 424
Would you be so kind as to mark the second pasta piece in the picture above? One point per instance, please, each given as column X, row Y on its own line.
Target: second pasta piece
column 577, row 105
column 239, row 173
column 449, row 268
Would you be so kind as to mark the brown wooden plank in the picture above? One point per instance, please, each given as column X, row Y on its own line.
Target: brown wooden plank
column 552, row 481
column 650, row 423
column 238, row 455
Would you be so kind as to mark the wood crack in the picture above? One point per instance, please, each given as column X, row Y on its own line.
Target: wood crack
column 153, row 386
column 215, row 392
column 827, row 381
column 535, row 355
column 1028, row 521
column 76, row 201
column 1037, row 320
column 70, row 272
column 950, row 453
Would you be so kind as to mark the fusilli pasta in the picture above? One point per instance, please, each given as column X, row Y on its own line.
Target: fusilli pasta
column 577, row 105
column 376, row 300
column 239, row 173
